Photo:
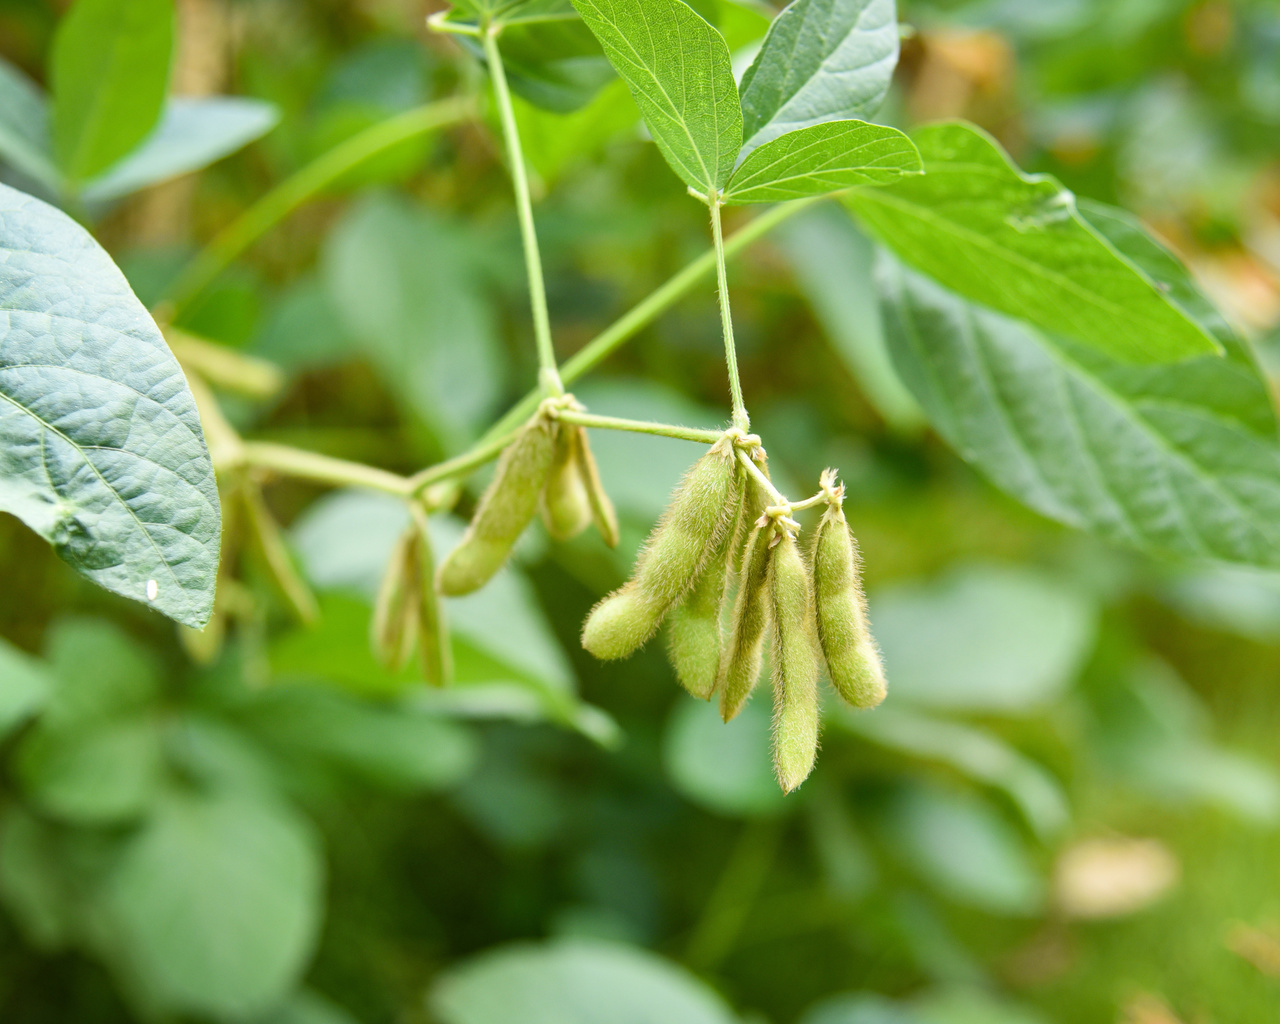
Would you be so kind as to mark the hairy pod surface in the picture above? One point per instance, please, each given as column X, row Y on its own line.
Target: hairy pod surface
column 602, row 512
column 505, row 509
column 755, row 501
column 795, row 665
column 434, row 651
column 391, row 630
column 566, row 504
column 668, row 564
column 740, row 666
column 695, row 636
column 853, row 660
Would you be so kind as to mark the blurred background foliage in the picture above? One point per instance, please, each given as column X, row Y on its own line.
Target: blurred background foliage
column 1065, row 812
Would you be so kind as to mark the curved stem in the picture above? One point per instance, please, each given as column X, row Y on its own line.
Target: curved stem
column 322, row 468
column 778, row 497
column 295, row 190
column 586, row 419
column 740, row 417
column 549, row 378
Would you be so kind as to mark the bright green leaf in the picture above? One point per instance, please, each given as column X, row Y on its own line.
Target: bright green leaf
column 1178, row 459
column 1015, row 242
column 214, row 905
column 679, row 72
column 574, row 982
column 192, row 134
column 109, row 70
column 101, row 451
column 24, row 127
column 823, row 60
column 822, row 158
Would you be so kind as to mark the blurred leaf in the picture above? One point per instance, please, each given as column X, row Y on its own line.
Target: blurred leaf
column 1016, row 243
column 192, row 133
column 982, row 638
column 823, row 60
column 101, row 451
column 832, row 262
column 1235, row 599
column 966, row 850
column 555, row 64
column 827, row 157
column 25, row 685
column 725, row 767
column 953, row 1006
column 977, row 754
column 404, row 288
column 214, row 906
column 24, row 127
column 99, row 672
column 679, row 72
column 306, row 1007
column 33, row 880
column 574, row 982
column 864, row 1008
column 303, row 330
column 555, row 142
column 1172, row 460
column 109, row 70
column 397, row 747
column 97, row 773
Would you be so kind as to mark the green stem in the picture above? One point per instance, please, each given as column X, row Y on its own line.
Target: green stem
column 740, row 417
column 778, row 497
column 586, row 419
column 549, row 378
column 821, row 498
column 295, row 190
column 321, row 468
column 487, row 448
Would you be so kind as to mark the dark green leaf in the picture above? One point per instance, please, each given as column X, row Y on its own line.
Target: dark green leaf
column 192, row 133
column 822, row 158
column 823, row 60
column 555, row 63
column 109, row 70
column 574, row 982
column 679, row 72
column 214, row 906
column 24, row 127
column 101, row 451
column 1179, row 459
column 1016, row 243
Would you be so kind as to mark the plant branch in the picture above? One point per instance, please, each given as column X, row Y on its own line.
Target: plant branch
column 778, row 497
column 295, row 190
column 548, row 377
column 740, row 417
column 322, row 468
column 586, row 419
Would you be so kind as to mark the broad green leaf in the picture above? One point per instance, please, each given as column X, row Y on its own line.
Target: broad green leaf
column 574, row 982
column 24, row 127
column 93, row 775
column 192, row 134
column 822, row 158
column 982, row 638
column 832, row 261
column 99, row 672
column 1177, row 459
column 726, row 768
column 961, row 846
column 109, row 71
column 678, row 69
column 823, row 60
column 401, row 281
column 976, row 753
column 101, row 451
column 554, row 63
column 555, row 142
column 1016, row 243
column 214, row 906
column 25, row 685
column 306, row 1007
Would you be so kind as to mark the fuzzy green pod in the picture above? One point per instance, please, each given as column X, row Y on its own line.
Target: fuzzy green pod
column 504, row 511
column 668, row 564
column 755, row 500
column 740, row 666
column 434, row 652
column 566, row 504
column 695, row 637
column 795, row 665
column 602, row 512
column 391, row 635
column 853, row 659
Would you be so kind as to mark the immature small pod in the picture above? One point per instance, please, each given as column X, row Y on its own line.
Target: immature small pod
column 269, row 542
column 434, row 651
column 853, row 660
column 566, row 504
column 794, row 665
column 602, row 512
column 694, row 632
column 392, row 628
column 740, row 666
column 668, row 564
column 504, row 511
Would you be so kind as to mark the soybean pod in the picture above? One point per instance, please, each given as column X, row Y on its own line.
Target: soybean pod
column 794, row 665
column 740, row 667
